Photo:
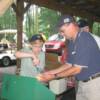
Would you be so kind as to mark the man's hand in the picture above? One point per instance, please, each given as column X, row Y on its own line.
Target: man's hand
column 52, row 72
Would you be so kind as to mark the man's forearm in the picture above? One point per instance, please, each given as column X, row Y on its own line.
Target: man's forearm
column 60, row 69
column 69, row 72
column 23, row 55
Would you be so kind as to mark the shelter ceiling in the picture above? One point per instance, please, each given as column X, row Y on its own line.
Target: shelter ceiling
column 83, row 8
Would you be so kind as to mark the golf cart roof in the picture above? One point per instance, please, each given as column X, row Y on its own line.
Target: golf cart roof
column 8, row 31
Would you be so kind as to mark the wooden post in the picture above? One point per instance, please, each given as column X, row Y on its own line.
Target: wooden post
column 20, row 10
column 19, row 17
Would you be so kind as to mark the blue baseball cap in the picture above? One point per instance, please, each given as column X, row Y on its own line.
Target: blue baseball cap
column 65, row 19
column 36, row 37
column 82, row 23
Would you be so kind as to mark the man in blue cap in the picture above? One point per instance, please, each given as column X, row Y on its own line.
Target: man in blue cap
column 84, row 25
column 83, row 60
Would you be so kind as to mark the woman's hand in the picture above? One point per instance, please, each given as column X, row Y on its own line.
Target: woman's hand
column 45, row 77
column 36, row 61
column 51, row 72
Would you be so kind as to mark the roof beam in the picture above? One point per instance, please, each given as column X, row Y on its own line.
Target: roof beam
column 65, row 8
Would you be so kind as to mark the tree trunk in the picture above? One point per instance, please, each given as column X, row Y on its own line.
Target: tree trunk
column 36, row 19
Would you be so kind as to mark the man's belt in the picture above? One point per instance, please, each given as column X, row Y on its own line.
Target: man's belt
column 92, row 77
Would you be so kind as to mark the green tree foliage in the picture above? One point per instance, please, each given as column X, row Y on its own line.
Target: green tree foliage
column 96, row 28
column 31, row 22
column 48, row 20
column 37, row 19
column 40, row 19
column 8, row 20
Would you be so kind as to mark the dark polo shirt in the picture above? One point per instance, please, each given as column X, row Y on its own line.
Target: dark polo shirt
column 84, row 51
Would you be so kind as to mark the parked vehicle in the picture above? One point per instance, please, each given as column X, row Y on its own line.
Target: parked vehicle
column 7, row 46
column 3, row 46
column 55, row 44
column 6, row 55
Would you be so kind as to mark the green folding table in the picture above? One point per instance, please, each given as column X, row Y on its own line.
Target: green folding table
column 24, row 88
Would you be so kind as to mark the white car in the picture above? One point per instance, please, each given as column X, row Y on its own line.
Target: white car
column 6, row 56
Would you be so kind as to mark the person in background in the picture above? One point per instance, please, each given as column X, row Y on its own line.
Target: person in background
column 83, row 60
column 32, row 57
column 83, row 25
